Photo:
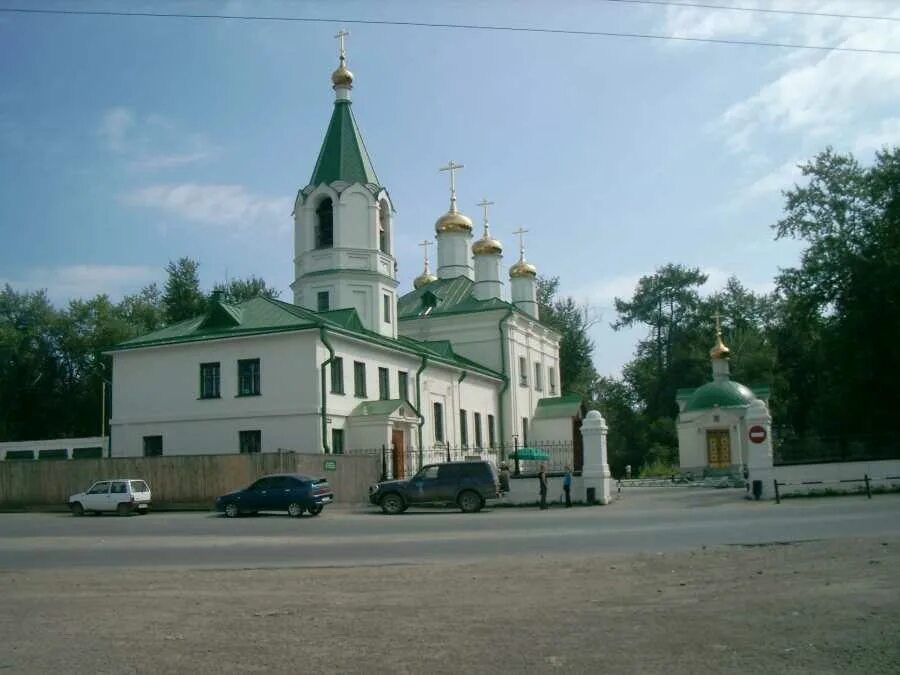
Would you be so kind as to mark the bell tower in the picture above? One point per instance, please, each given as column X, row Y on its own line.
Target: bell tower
column 343, row 224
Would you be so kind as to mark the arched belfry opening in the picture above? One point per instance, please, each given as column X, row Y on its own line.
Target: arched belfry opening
column 384, row 227
column 325, row 224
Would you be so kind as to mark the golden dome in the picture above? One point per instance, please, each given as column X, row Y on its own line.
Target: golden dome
column 423, row 279
column 342, row 76
column 719, row 350
column 522, row 268
column 453, row 221
column 487, row 244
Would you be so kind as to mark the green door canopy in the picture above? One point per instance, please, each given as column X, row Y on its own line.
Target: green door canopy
column 523, row 454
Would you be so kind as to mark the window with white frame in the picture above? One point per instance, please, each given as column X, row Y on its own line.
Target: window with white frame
column 551, row 377
column 538, row 377
column 523, row 371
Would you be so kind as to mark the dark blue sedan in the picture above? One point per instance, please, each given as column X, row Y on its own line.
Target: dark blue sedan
column 290, row 492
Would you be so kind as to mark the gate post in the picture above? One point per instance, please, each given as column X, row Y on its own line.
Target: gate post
column 595, row 472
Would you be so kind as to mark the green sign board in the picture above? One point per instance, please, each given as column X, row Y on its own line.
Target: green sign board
column 330, row 465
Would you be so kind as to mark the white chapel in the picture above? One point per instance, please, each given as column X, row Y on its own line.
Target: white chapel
column 461, row 360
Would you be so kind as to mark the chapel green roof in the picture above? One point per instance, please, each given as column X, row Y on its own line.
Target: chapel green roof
column 343, row 156
column 567, row 405
column 720, row 394
column 445, row 296
column 264, row 315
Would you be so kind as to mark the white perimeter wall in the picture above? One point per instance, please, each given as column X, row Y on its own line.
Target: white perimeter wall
column 837, row 471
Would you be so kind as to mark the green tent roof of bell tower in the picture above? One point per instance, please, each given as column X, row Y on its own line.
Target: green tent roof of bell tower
column 343, row 156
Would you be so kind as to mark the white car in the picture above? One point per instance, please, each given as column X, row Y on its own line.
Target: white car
column 122, row 495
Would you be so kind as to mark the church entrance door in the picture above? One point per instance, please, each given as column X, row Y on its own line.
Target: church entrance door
column 718, row 449
column 398, row 451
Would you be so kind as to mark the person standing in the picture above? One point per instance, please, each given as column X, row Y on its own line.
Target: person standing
column 567, row 486
column 542, row 478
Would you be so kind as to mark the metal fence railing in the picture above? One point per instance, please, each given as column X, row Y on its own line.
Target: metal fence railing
column 555, row 456
column 789, row 448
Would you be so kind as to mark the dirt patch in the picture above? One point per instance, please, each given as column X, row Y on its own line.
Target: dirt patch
column 824, row 607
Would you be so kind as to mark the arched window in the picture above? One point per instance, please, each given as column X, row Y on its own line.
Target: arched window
column 325, row 224
column 384, row 227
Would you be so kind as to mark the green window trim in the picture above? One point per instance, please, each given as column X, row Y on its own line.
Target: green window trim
column 210, row 380
column 384, row 384
column 337, row 375
column 359, row 379
column 248, row 377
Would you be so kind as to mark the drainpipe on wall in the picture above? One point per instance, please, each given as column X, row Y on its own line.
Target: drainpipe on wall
column 325, row 448
column 503, row 367
column 419, row 403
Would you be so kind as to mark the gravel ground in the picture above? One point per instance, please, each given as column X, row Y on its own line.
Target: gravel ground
column 814, row 607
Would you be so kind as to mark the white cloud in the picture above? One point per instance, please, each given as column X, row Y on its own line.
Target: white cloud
column 224, row 205
column 85, row 281
column 772, row 183
column 888, row 133
column 151, row 142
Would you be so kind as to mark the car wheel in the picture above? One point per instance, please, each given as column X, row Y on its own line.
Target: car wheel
column 77, row 509
column 392, row 504
column 295, row 510
column 143, row 512
column 123, row 509
column 470, row 502
column 231, row 510
column 315, row 509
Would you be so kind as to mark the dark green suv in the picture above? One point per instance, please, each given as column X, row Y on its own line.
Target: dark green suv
column 467, row 485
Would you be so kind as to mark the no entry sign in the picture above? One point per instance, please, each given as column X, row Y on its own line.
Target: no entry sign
column 757, row 433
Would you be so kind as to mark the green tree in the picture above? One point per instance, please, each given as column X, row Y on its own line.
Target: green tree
column 183, row 298
column 239, row 290
column 144, row 310
column 576, row 368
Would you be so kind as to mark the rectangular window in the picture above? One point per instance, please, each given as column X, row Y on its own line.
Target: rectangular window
column 20, row 454
column 384, row 384
column 523, row 371
column 322, row 304
column 248, row 377
column 492, row 439
column 387, row 308
column 153, row 446
column 524, row 431
column 209, row 380
column 403, row 385
column 463, row 429
column 337, row 441
column 60, row 453
column 337, row 375
column 478, row 438
column 359, row 379
column 251, row 441
column 538, row 377
column 439, row 422
column 551, row 376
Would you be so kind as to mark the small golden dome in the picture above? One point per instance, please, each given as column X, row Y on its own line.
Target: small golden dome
column 423, row 280
column 342, row 76
column 719, row 350
column 522, row 268
column 453, row 221
column 487, row 244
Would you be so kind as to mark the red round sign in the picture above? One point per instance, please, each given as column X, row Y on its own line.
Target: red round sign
column 757, row 434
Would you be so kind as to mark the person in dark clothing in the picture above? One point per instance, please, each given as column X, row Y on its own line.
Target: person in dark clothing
column 542, row 477
column 567, row 487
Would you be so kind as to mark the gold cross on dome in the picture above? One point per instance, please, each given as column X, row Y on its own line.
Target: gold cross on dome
column 718, row 318
column 341, row 34
column 424, row 245
column 452, row 167
column 484, row 204
column 520, row 232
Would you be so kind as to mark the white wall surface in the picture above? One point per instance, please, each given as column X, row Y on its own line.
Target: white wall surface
column 836, row 471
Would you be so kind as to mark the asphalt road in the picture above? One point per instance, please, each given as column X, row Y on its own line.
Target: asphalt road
column 642, row 520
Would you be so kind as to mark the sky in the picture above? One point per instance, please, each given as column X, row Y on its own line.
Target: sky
column 129, row 142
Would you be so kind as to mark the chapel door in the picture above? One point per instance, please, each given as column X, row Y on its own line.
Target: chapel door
column 718, row 449
column 397, row 453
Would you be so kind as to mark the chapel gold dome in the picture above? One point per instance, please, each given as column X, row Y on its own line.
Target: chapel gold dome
column 523, row 268
column 423, row 280
column 342, row 76
column 487, row 244
column 453, row 221
column 719, row 350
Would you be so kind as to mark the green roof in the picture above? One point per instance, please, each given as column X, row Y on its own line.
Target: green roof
column 567, row 405
column 445, row 296
column 263, row 315
column 720, row 394
column 343, row 156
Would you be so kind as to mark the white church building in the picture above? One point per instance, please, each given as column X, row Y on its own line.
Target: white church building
column 354, row 362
